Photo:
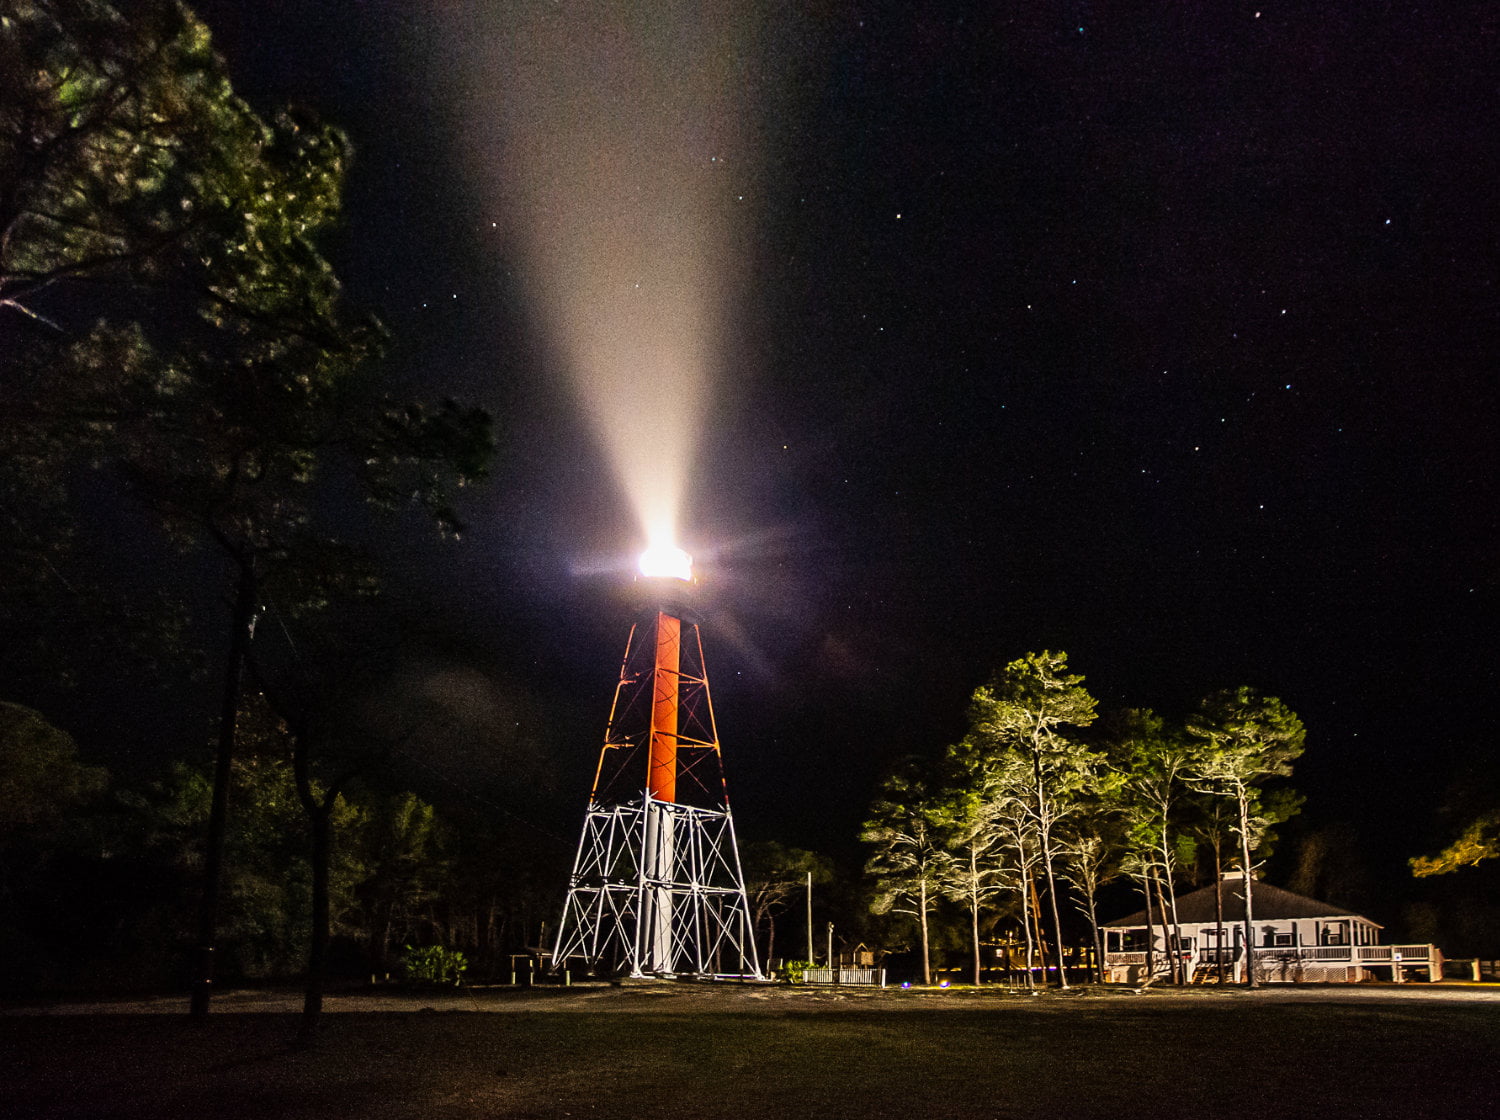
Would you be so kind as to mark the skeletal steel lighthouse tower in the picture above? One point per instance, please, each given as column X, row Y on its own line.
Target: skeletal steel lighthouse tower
column 657, row 888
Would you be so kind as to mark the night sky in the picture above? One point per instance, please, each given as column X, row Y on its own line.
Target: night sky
column 1159, row 333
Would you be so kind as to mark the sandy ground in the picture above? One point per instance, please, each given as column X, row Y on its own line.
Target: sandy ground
column 719, row 1051
column 746, row 999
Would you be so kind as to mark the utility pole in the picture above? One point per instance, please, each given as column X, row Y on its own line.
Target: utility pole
column 809, row 919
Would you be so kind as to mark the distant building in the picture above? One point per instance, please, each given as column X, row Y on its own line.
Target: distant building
column 1295, row 940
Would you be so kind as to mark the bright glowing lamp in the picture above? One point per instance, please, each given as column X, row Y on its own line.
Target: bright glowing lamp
column 666, row 563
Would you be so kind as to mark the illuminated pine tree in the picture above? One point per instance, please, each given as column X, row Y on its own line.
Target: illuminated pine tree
column 1248, row 739
column 1028, row 708
column 1155, row 762
column 905, row 834
column 972, row 869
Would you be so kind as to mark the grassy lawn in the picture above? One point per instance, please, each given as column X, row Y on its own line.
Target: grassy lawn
column 728, row 1054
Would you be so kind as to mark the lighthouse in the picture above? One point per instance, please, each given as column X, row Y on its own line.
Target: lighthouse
column 656, row 888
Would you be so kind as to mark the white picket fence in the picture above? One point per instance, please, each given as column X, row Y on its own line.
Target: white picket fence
column 865, row 977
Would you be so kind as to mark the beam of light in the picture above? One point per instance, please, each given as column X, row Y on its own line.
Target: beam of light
column 619, row 167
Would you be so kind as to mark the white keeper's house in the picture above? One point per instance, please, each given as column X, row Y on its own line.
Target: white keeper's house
column 1293, row 940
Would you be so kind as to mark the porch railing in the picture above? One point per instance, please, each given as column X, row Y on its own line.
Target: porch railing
column 1421, row 956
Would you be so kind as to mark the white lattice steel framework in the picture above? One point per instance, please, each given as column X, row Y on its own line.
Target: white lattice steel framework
column 657, row 888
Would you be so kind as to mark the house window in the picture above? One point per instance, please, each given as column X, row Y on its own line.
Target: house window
column 1184, row 943
column 1133, row 941
column 1281, row 939
column 1336, row 934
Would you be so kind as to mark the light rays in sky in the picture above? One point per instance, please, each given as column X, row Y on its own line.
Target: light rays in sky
column 620, row 164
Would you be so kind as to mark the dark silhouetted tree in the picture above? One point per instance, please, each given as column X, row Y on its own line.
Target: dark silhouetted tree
column 775, row 876
column 161, row 239
column 41, row 775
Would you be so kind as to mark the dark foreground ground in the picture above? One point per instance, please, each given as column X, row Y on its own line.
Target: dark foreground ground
column 694, row 1051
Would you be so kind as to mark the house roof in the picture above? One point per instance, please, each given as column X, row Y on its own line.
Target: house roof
column 1271, row 904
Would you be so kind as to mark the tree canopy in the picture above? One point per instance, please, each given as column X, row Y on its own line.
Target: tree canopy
column 1032, row 803
column 41, row 776
column 126, row 159
column 179, row 332
column 1479, row 841
column 905, row 837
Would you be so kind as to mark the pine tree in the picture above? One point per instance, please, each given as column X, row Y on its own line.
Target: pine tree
column 971, row 866
column 1248, row 739
column 1027, row 709
column 177, row 324
column 904, row 831
column 1156, row 762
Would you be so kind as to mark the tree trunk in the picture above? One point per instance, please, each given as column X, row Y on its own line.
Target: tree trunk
column 1062, row 964
column 380, row 935
column 1251, row 980
column 1044, row 833
column 974, row 927
column 1041, row 933
column 1219, row 909
column 926, row 949
column 974, row 909
column 1150, row 928
column 320, row 821
column 1026, row 927
column 218, row 815
column 1057, row 938
column 1174, row 959
column 1098, row 939
column 1179, row 967
column 317, row 955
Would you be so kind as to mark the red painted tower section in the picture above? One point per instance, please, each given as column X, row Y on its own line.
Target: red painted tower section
column 666, row 684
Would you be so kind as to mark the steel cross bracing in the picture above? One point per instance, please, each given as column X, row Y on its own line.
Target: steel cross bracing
column 657, row 888
column 614, row 899
column 621, row 770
